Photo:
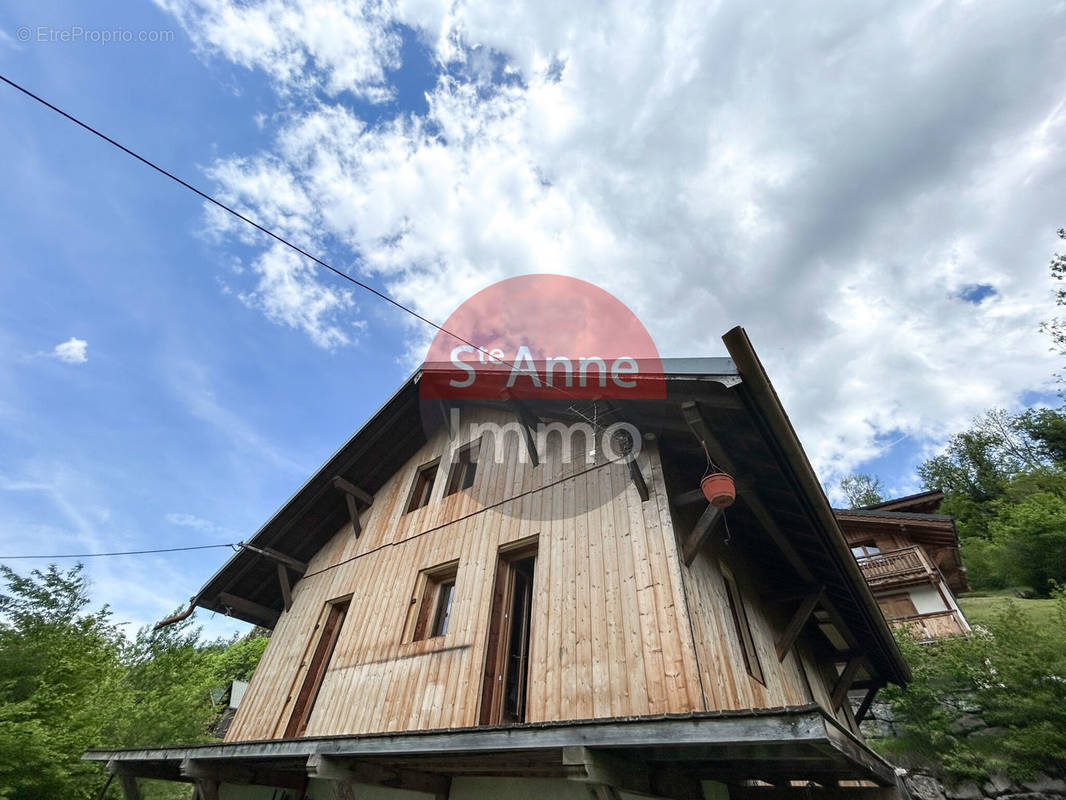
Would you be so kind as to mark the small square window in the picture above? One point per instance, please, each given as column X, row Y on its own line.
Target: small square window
column 865, row 549
column 437, row 594
column 423, row 485
column 464, row 468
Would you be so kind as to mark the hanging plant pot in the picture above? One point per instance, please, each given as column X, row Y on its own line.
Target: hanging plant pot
column 719, row 489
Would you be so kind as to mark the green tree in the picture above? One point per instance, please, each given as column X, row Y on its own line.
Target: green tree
column 1056, row 327
column 59, row 663
column 862, row 489
column 1031, row 536
column 70, row 680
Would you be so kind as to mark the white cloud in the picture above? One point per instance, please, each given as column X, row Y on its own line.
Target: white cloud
column 303, row 44
column 831, row 181
column 72, row 351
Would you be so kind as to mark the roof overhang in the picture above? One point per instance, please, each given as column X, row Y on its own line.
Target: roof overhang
column 741, row 411
column 798, row 743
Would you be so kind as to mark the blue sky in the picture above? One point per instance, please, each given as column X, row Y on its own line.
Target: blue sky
column 874, row 202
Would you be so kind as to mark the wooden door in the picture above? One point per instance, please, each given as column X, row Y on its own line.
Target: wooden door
column 506, row 676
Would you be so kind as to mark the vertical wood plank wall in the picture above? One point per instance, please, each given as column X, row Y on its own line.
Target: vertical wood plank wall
column 610, row 628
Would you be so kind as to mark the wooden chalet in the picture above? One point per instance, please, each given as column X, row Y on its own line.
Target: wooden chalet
column 453, row 626
column 909, row 555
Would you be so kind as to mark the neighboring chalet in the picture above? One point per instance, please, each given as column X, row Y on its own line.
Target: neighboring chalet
column 909, row 555
column 456, row 626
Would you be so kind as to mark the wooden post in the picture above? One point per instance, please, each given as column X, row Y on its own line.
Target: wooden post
column 130, row 791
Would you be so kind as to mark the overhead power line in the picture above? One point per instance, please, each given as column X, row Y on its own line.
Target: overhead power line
column 262, row 228
column 126, row 552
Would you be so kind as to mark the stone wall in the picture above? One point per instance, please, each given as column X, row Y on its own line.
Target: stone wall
column 880, row 724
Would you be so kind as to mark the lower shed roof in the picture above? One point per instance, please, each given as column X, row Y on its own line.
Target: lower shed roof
column 639, row 754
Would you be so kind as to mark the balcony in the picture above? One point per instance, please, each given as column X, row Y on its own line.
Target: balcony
column 934, row 626
column 908, row 564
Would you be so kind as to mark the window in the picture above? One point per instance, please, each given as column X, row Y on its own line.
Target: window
column 743, row 627
column 897, row 606
column 464, row 468
column 423, row 486
column 316, row 669
column 437, row 589
column 865, row 549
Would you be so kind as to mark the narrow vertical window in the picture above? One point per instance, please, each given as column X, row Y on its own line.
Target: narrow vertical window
column 316, row 670
column 505, row 683
column 437, row 587
column 423, row 485
column 464, row 468
column 741, row 624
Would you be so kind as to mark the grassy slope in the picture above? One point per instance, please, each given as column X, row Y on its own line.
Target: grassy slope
column 978, row 609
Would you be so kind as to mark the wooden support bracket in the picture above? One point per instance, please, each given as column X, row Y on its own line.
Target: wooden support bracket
column 702, row 431
column 286, row 587
column 798, row 622
column 353, row 495
column 529, row 422
column 267, row 615
column 699, row 533
column 638, row 480
column 367, row 773
column 867, row 701
column 840, row 690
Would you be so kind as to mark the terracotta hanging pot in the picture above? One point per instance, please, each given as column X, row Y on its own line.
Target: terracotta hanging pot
column 719, row 489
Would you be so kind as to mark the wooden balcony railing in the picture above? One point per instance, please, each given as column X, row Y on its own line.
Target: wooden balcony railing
column 934, row 626
column 896, row 564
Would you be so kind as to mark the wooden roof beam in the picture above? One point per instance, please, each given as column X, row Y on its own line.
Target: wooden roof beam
column 294, row 564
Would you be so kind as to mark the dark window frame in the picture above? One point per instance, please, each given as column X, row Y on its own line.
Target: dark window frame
column 435, row 596
column 423, row 485
column 865, row 549
column 463, row 471
column 336, row 612
column 742, row 625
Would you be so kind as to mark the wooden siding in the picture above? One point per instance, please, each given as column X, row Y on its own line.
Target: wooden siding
column 611, row 634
